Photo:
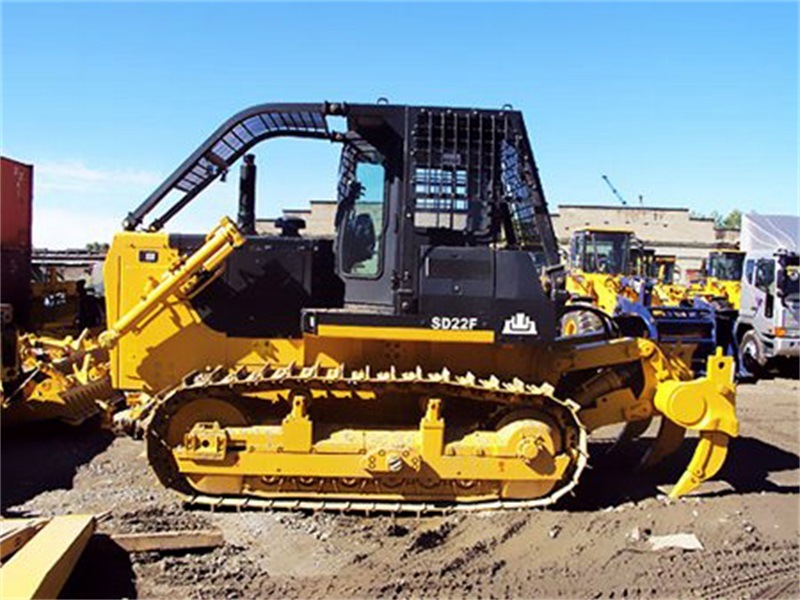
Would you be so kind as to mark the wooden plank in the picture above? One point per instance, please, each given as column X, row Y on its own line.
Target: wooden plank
column 41, row 567
column 15, row 533
column 169, row 540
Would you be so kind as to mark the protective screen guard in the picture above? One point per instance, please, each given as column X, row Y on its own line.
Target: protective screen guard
column 226, row 145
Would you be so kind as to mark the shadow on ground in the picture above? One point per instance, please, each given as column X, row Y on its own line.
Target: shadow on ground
column 615, row 478
column 103, row 571
column 45, row 456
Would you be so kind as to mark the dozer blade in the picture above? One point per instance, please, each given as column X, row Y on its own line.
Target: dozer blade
column 712, row 448
column 669, row 439
column 705, row 405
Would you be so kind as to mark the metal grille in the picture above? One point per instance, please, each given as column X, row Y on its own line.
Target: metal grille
column 347, row 172
column 242, row 136
column 455, row 167
column 518, row 185
column 225, row 146
column 465, row 162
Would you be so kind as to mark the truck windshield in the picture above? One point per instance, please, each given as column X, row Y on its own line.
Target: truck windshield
column 726, row 266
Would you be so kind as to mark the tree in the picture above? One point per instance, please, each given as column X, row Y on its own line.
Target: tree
column 733, row 220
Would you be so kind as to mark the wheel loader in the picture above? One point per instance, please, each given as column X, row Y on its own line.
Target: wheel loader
column 613, row 272
column 413, row 363
column 721, row 282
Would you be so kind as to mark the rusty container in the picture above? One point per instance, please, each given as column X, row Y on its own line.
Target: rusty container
column 16, row 179
column 16, row 216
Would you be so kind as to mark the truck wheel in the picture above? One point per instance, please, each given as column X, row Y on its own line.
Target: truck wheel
column 751, row 354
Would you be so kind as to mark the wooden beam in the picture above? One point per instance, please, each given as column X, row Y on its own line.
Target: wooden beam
column 14, row 533
column 41, row 567
column 169, row 540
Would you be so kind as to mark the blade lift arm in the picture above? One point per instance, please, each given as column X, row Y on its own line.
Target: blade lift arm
column 182, row 279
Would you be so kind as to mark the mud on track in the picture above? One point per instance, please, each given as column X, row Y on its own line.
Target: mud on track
column 593, row 545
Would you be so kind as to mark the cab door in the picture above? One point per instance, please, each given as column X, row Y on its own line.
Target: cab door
column 365, row 248
column 747, row 308
column 763, row 290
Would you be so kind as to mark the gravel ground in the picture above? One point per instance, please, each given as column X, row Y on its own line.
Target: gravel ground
column 594, row 545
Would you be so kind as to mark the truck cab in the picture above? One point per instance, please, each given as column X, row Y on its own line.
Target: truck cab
column 768, row 328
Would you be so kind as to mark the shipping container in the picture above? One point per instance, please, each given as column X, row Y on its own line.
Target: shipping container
column 16, row 207
column 16, row 204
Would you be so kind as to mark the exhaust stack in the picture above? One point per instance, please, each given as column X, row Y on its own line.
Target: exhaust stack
column 247, row 195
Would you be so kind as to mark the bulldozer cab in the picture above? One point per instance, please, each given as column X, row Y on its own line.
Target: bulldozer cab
column 441, row 222
column 606, row 251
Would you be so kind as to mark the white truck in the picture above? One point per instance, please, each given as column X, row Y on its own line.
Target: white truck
column 768, row 327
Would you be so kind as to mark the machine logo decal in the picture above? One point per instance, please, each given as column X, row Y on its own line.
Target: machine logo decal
column 520, row 324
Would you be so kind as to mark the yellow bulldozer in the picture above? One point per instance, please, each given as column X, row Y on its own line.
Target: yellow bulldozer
column 414, row 362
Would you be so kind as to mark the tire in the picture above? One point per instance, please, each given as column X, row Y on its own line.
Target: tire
column 580, row 323
column 751, row 354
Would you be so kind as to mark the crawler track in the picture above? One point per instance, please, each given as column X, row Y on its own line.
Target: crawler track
column 337, row 382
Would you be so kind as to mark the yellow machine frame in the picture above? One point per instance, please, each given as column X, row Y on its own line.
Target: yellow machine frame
column 154, row 328
column 711, row 287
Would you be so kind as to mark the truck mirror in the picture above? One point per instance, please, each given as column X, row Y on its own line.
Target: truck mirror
column 765, row 274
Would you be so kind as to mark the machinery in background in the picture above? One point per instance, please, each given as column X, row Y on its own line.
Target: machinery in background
column 614, row 191
column 667, row 291
column 722, row 279
column 642, row 260
column 51, row 367
column 16, row 203
column 66, row 292
column 411, row 364
column 768, row 325
column 599, row 260
column 666, row 269
column 612, row 271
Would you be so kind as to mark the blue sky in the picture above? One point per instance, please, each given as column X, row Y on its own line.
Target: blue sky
column 687, row 104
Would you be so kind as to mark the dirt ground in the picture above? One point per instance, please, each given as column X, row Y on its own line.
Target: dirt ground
column 594, row 545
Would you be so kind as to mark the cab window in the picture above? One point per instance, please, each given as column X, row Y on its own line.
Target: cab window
column 363, row 223
column 606, row 252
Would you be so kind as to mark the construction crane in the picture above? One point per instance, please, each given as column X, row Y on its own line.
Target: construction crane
column 614, row 191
